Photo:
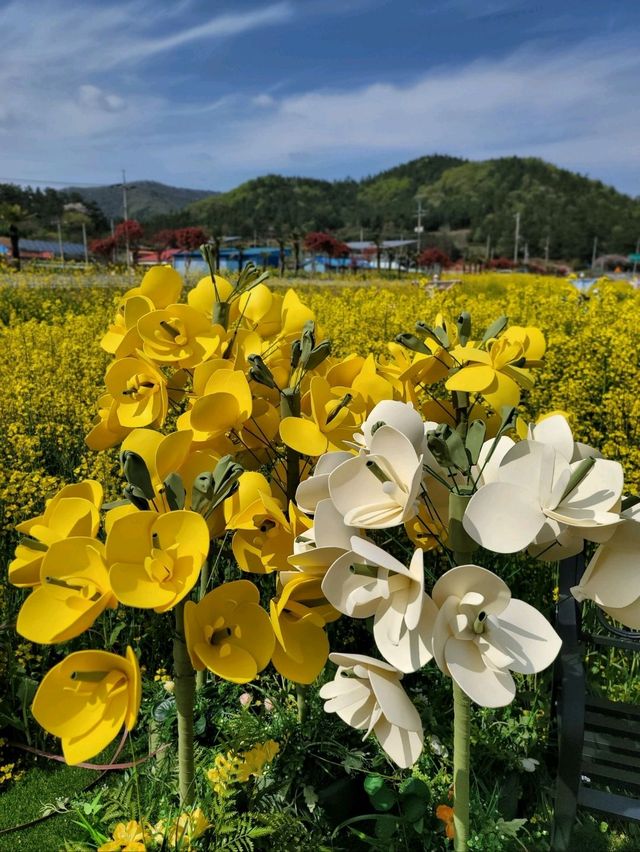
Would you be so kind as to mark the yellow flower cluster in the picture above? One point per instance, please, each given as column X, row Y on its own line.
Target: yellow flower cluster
column 175, row 834
column 238, row 768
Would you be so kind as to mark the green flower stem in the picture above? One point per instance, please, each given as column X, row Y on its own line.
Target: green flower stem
column 301, row 697
column 461, row 738
column 459, row 540
column 290, row 407
column 463, row 547
column 185, row 687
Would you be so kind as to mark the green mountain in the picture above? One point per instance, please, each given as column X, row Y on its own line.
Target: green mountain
column 146, row 199
column 464, row 203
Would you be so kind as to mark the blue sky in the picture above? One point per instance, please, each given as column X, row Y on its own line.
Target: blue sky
column 208, row 94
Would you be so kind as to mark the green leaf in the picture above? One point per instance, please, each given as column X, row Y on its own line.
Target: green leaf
column 373, row 783
column 136, row 473
column 438, row 334
column 174, row 491
column 318, row 354
column 413, row 808
column 510, row 828
column 164, row 709
column 475, row 439
column 496, row 328
column 464, row 327
column 382, row 797
column 415, row 787
column 117, row 630
column 410, row 341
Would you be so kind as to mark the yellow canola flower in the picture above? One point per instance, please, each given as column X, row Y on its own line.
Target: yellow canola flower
column 73, row 511
column 302, row 646
column 330, row 424
column 179, row 335
column 86, row 699
column 155, row 560
column 139, row 392
column 123, row 338
column 162, row 285
column 74, row 590
column 495, row 373
column 229, row 633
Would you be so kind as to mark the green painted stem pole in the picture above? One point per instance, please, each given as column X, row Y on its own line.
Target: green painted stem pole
column 290, row 407
column 185, row 696
column 463, row 546
column 461, row 750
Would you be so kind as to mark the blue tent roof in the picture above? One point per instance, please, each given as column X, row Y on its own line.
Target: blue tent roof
column 52, row 246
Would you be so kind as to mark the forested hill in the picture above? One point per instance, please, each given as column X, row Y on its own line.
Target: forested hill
column 468, row 201
column 146, row 198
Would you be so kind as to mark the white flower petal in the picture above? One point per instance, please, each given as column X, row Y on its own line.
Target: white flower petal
column 555, row 431
column 599, row 490
column 485, row 686
column 503, row 517
column 456, row 582
column 394, row 701
column 403, row 747
column 525, row 634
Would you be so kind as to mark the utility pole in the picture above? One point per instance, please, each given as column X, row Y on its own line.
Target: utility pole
column 84, row 242
column 419, row 228
column 126, row 218
column 60, row 241
column 487, row 250
column 546, row 251
column 516, row 238
column 114, row 254
column 594, row 252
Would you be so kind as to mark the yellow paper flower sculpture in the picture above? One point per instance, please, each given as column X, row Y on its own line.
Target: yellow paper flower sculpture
column 367, row 694
column 155, row 560
column 74, row 589
column 73, row 511
column 86, row 699
column 482, row 634
column 229, row 633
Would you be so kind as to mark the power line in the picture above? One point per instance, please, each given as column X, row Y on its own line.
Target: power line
column 51, row 182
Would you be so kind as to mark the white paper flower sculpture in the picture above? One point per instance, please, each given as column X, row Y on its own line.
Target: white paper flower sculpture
column 367, row 695
column 402, row 416
column 541, row 501
column 555, row 430
column 612, row 578
column 315, row 550
column 482, row 634
column 368, row 581
column 316, row 487
column 379, row 489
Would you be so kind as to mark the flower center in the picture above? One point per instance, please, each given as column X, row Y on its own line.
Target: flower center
column 159, row 566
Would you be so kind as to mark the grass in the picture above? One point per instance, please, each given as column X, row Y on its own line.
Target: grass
column 24, row 801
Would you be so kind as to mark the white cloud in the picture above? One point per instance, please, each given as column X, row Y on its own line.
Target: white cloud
column 579, row 108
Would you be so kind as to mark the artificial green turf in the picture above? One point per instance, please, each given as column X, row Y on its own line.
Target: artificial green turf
column 24, row 801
